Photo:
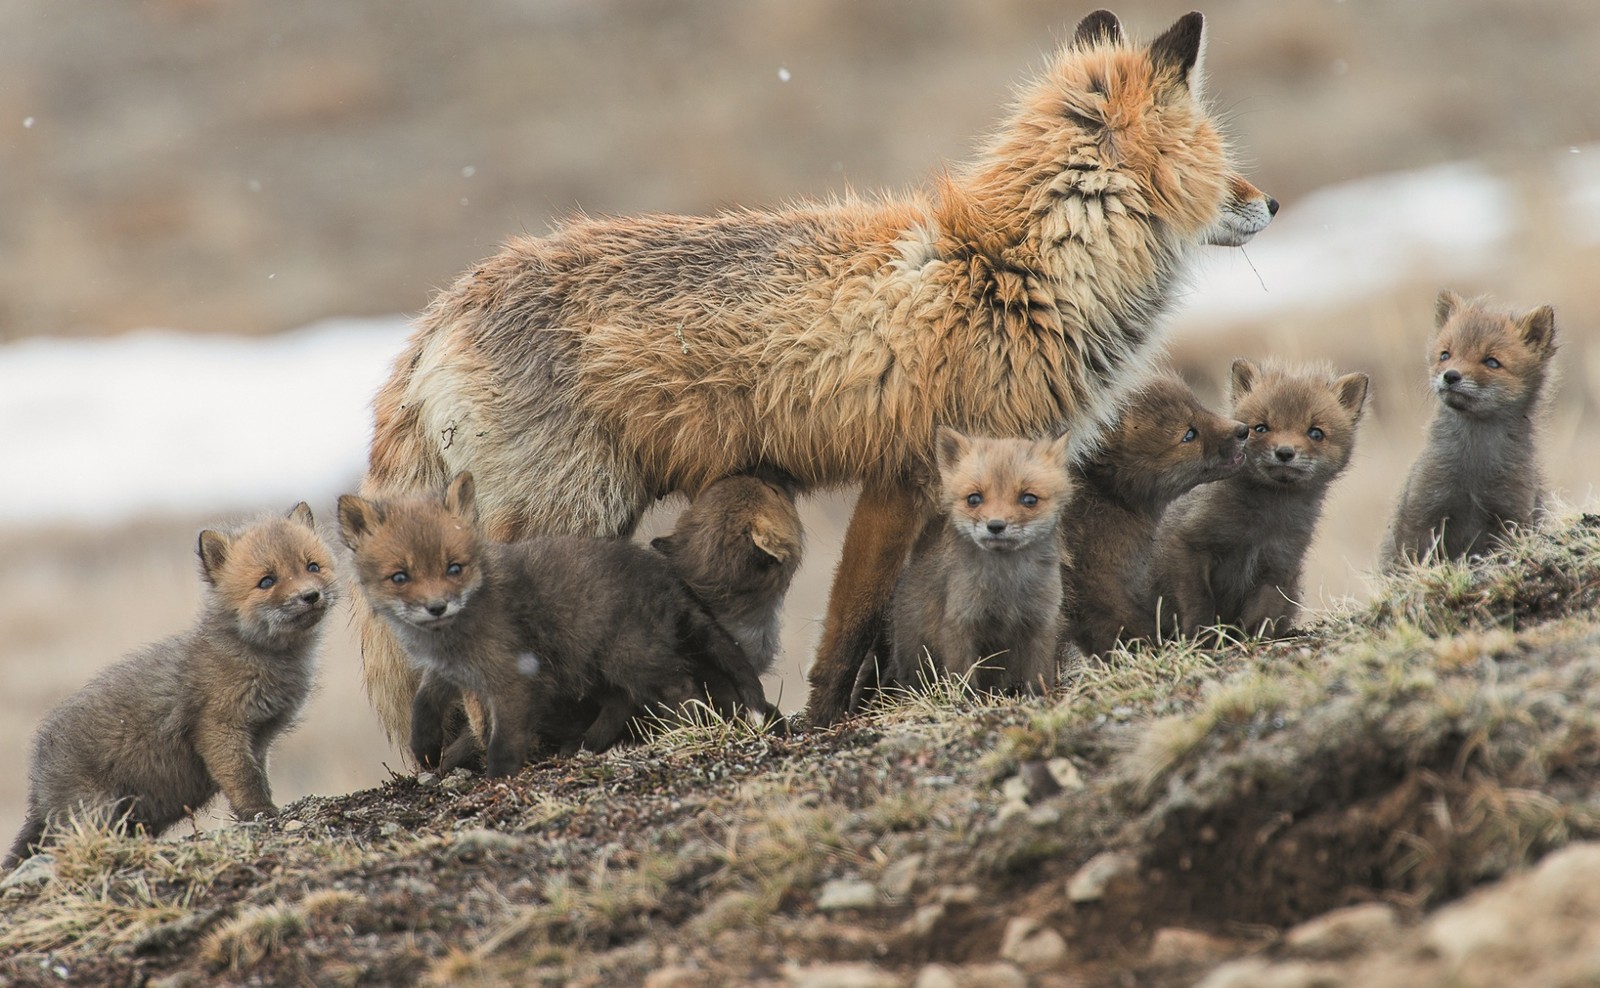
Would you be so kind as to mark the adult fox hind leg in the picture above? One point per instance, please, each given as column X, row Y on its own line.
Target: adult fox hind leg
column 886, row 522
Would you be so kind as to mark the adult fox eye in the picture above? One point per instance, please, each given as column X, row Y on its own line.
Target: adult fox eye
column 454, row 569
column 313, row 568
column 1029, row 500
column 399, row 577
column 266, row 583
column 1315, row 433
column 1491, row 363
column 1191, row 435
column 973, row 500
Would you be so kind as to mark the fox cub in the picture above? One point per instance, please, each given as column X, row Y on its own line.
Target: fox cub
column 1233, row 552
column 1163, row 444
column 982, row 590
column 153, row 737
column 1478, row 475
column 571, row 618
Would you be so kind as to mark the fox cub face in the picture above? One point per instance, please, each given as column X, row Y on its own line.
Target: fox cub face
column 1002, row 494
column 418, row 559
column 1302, row 423
column 276, row 576
column 1165, row 442
column 1487, row 363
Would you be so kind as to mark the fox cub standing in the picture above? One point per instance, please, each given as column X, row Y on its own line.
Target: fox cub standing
column 1163, row 444
column 982, row 590
column 1478, row 475
column 154, row 736
column 567, row 617
column 1233, row 552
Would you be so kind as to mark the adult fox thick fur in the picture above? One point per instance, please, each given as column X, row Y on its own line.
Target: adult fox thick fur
column 582, row 374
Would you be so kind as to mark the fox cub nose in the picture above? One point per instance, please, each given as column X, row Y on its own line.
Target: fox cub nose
column 1452, row 376
column 311, row 596
column 1284, row 453
column 997, row 525
column 1241, row 431
column 437, row 607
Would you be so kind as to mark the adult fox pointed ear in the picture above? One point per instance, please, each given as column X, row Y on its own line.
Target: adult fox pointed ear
column 1242, row 377
column 213, row 550
column 460, row 498
column 300, row 514
column 358, row 518
column 1446, row 305
column 1351, row 390
column 1100, row 27
column 1538, row 329
column 1180, row 50
column 949, row 447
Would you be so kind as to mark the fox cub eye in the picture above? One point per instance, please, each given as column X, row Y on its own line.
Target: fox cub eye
column 1029, row 500
column 454, row 569
column 1491, row 363
column 973, row 500
column 313, row 568
column 266, row 583
column 1261, row 427
column 399, row 577
column 1191, row 435
column 1315, row 433
column 1444, row 354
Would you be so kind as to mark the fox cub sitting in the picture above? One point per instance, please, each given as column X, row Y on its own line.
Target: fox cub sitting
column 1163, row 444
column 1478, row 475
column 981, row 593
column 1233, row 552
column 153, row 737
column 571, row 618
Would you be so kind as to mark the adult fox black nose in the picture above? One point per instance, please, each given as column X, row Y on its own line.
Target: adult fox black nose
column 437, row 607
column 1272, row 206
column 1452, row 376
column 1284, row 453
column 997, row 525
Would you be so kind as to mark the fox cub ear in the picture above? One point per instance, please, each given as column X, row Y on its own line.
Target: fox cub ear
column 213, row 551
column 664, row 544
column 771, row 543
column 1055, row 450
column 1100, row 27
column 460, row 498
column 1241, row 378
column 1351, row 391
column 358, row 518
column 950, row 447
column 1446, row 305
column 1538, row 329
column 300, row 514
column 1180, row 48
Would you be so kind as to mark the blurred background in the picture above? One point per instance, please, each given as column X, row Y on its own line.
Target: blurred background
column 218, row 216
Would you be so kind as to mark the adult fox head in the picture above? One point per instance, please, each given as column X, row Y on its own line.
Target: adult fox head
column 1002, row 494
column 419, row 560
column 1488, row 364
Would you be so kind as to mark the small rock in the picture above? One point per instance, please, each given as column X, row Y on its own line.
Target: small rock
column 1342, row 931
column 426, row 778
column 958, row 895
column 1038, row 781
column 922, row 922
column 1253, row 972
column 901, row 877
column 1088, row 884
column 1047, row 815
column 1009, row 809
column 993, row 976
column 936, row 976
column 1015, row 789
column 459, row 779
column 1065, row 773
column 37, row 870
column 1175, row 945
column 841, row 976
column 1031, row 946
column 293, row 825
column 676, row 977
column 847, row 893
column 388, row 828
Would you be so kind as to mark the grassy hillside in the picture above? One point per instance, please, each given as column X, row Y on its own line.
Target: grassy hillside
column 1170, row 816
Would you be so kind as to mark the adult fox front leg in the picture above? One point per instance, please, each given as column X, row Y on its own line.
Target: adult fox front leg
column 580, row 374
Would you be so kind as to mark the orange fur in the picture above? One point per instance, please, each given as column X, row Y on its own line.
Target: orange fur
column 582, row 374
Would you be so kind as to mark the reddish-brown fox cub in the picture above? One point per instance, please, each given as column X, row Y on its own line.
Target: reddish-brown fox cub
column 155, row 736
